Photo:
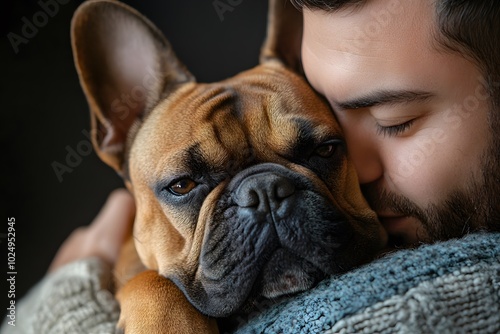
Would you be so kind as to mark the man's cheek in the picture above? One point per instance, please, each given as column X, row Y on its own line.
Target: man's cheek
column 416, row 158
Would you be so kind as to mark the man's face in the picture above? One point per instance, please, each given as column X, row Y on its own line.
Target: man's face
column 415, row 116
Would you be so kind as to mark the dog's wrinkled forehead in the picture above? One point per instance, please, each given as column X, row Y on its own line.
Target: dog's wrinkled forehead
column 248, row 120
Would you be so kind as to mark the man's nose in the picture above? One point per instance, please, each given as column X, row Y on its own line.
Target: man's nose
column 365, row 154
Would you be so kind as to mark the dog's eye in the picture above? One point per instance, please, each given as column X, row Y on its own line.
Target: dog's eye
column 326, row 150
column 182, row 187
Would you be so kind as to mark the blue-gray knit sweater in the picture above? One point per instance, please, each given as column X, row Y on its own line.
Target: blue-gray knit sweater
column 448, row 287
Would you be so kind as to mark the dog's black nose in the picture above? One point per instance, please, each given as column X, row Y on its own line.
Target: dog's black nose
column 263, row 191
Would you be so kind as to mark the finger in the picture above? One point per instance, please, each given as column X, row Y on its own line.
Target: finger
column 69, row 250
column 104, row 236
column 112, row 225
column 117, row 214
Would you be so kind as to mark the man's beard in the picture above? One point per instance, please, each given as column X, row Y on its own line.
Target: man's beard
column 475, row 208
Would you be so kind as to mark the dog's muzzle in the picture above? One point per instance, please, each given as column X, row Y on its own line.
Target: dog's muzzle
column 271, row 233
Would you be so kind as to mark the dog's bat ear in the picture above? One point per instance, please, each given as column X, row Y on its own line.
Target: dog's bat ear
column 126, row 66
column 284, row 35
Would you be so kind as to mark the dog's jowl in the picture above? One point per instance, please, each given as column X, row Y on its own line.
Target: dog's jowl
column 244, row 188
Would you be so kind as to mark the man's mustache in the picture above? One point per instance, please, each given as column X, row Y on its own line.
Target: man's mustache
column 382, row 200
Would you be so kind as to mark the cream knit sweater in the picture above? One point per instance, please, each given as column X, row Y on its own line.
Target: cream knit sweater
column 72, row 300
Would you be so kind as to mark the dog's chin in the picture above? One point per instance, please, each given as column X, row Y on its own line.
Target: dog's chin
column 282, row 275
column 286, row 274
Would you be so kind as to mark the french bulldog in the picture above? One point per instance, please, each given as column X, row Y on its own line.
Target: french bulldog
column 244, row 188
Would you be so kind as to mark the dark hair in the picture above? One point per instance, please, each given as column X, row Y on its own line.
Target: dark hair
column 470, row 27
column 327, row 5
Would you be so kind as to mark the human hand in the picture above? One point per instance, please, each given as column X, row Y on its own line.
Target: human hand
column 104, row 236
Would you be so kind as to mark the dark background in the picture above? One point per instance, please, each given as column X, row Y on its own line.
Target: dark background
column 44, row 112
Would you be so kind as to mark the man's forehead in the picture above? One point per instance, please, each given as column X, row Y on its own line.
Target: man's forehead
column 375, row 26
column 383, row 36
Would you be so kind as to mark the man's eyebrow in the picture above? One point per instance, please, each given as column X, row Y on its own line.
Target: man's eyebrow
column 384, row 97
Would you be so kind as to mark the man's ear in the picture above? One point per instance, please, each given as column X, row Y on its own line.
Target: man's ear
column 284, row 35
column 126, row 66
